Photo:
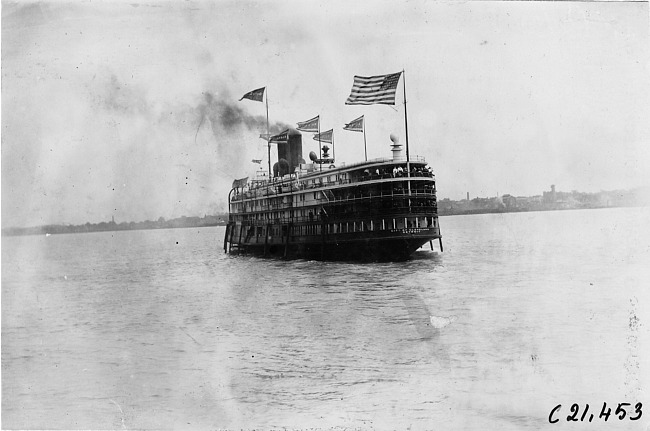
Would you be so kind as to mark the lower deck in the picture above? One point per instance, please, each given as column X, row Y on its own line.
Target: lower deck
column 330, row 241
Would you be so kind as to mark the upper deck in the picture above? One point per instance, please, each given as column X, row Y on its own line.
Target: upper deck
column 314, row 176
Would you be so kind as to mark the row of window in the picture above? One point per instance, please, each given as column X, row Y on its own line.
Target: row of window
column 388, row 189
column 254, row 232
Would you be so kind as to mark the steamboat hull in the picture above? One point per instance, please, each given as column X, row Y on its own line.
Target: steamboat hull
column 383, row 246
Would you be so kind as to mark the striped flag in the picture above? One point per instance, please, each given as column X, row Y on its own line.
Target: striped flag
column 256, row 95
column 324, row 136
column 355, row 125
column 370, row 90
column 309, row 125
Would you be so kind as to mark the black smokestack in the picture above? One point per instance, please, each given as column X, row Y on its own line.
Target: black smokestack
column 289, row 153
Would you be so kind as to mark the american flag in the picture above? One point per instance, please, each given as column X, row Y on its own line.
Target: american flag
column 355, row 125
column 324, row 136
column 256, row 95
column 370, row 90
column 309, row 125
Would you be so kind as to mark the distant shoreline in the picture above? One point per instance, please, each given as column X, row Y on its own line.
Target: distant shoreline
column 161, row 223
column 221, row 220
column 501, row 211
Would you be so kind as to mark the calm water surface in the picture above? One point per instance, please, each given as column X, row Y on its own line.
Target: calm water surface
column 161, row 329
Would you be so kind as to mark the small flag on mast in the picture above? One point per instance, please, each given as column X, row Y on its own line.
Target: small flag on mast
column 240, row 183
column 370, row 90
column 258, row 161
column 280, row 137
column 265, row 136
column 256, row 95
column 355, row 125
column 324, row 136
column 309, row 125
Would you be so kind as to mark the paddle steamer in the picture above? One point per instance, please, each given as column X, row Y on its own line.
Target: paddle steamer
column 375, row 210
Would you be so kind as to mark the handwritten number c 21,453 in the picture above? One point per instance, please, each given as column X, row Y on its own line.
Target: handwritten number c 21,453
column 578, row 413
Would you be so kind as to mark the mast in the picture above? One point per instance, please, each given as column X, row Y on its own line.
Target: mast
column 406, row 128
column 268, row 135
column 365, row 147
column 320, row 149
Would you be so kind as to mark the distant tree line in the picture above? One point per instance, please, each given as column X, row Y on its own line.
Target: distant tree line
column 161, row 223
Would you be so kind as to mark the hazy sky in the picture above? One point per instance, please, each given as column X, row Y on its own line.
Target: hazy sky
column 131, row 109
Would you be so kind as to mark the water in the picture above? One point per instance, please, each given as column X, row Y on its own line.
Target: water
column 161, row 329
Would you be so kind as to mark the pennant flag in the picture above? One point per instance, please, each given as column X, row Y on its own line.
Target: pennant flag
column 309, row 125
column 265, row 136
column 280, row 137
column 258, row 161
column 237, row 184
column 370, row 90
column 256, row 95
column 355, row 125
column 324, row 136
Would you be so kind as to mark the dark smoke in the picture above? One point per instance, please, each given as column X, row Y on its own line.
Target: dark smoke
column 227, row 117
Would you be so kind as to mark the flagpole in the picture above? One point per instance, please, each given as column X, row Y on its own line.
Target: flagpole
column 320, row 151
column 268, row 135
column 406, row 128
column 365, row 147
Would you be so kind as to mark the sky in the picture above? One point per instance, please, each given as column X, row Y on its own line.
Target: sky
column 131, row 109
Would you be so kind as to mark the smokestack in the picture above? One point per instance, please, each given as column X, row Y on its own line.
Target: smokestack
column 295, row 149
column 289, row 153
column 467, row 195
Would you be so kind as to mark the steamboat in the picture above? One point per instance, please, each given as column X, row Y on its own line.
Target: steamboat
column 376, row 210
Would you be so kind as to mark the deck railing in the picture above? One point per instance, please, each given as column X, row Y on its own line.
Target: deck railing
column 278, row 188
